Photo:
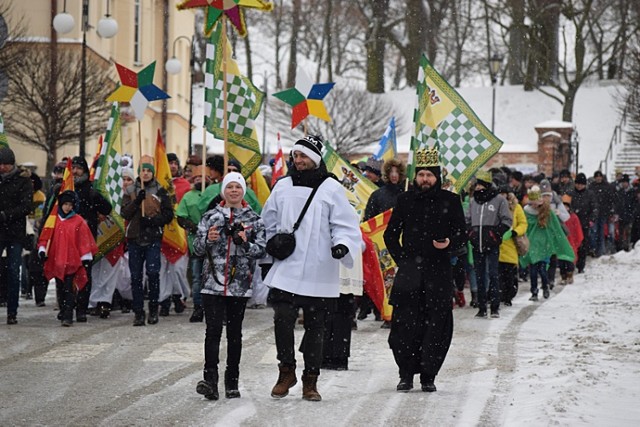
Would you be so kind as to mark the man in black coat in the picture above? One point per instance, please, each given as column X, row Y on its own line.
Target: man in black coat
column 585, row 206
column 16, row 192
column 92, row 205
column 431, row 223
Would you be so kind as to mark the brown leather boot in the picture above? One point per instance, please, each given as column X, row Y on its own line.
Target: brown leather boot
column 309, row 390
column 570, row 278
column 286, row 380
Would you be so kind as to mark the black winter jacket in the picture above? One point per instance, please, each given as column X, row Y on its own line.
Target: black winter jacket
column 151, row 232
column 382, row 200
column 92, row 203
column 16, row 194
column 585, row 205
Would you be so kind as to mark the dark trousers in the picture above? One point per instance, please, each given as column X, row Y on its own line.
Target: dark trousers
column 285, row 307
column 553, row 266
column 217, row 309
column 565, row 267
column 459, row 272
column 139, row 256
column 508, row 281
column 14, row 261
column 67, row 295
column 337, row 333
column 83, row 295
column 583, row 250
column 420, row 337
column 538, row 269
column 487, row 268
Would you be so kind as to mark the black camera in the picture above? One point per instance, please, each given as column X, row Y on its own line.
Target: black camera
column 233, row 230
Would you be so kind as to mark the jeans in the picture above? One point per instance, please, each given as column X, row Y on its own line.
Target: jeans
column 216, row 309
column 285, row 307
column 539, row 268
column 14, row 261
column 487, row 262
column 196, row 278
column 597, row 236
column 138, row 256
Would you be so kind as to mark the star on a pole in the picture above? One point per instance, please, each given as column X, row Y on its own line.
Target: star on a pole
column 137, row 89
column 306, row 99
column 232, row 9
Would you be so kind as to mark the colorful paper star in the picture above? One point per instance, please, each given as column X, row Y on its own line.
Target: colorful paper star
column 231, row 8
column 306, row 98
column 137, row 89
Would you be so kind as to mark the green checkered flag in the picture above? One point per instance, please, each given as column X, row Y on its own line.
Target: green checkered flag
column 3, row 136
column 244, row 101
column 108, row 181
column 444, row 120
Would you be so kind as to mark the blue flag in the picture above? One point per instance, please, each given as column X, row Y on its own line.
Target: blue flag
column 388, row 146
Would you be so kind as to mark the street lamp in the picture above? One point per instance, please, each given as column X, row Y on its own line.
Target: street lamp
column 495, row 62
column 63, row 23
column 174, row 66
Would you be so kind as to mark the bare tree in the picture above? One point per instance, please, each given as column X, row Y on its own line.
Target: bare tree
column 293, row 43
column 50, row 119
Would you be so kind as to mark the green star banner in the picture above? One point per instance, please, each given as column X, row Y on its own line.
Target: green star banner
column 108, row 181
column 445, row 121
column 3, row 136
column 244, row 101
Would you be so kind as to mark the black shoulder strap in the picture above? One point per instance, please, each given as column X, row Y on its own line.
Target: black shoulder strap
column 306, row 205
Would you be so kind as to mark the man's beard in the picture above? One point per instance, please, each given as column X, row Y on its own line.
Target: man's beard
column 425, row 186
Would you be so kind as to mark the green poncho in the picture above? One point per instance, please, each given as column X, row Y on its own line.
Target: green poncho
column 545, row 242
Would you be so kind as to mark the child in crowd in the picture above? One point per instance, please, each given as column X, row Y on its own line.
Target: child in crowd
column 69, row 255
column 546, row 238
column 575, row 238
column 231, row 238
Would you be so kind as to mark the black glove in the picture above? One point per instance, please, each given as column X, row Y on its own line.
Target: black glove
column 86, row 263
column 339, row 251
column 264, row 270
column 42, row 255
column 514, row 233
column 140, row 197
column 146, row 222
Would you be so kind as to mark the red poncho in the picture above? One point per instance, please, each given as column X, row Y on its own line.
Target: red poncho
column 71, row 240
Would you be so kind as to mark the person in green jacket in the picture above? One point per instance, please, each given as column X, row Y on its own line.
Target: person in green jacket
column 546, row 238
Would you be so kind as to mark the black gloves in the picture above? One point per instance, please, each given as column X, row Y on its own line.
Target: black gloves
column 86, row 263
column 264, row 270
column 514, row 233
column 140, row 197
column 339, row 251
column 42, row 255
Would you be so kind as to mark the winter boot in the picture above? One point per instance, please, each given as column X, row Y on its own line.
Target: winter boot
column 208, row 387
column 178, row 304
column 570, row 278
column 482, row 312
column 563, row 280
column 153, row 314
column 474, row 299
column 286, row 380
column 460, row 299
column 427, row 383
column 105, row 310
column 405, row 384
column 309, row 388
column 231, row 385
column 139, row 319
column 197, row 315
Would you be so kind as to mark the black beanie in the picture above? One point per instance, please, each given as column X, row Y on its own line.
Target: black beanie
column 581, row 179
column 216, row 163
column 7, row 157
column 234, row 162
column 172, row 157
column 80, row 162
column 67, row 196
column 436, row 170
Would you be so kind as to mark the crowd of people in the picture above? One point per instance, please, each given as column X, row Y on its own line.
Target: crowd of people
column 293, row 251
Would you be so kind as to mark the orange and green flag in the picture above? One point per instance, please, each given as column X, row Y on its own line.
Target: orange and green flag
column 174, row 238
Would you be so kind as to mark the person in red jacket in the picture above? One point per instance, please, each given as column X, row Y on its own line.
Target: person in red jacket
column 69, row 254
column 575, row 238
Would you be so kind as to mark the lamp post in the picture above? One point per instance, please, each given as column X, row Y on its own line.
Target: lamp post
column 173, row 66
column 63, row 23
column 495, row 62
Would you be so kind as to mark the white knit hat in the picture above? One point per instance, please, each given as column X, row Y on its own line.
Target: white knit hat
column 233, row 177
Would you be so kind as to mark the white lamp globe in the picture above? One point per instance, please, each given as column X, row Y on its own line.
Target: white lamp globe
column 173, row 66
column 63, row 23
column 107, row 27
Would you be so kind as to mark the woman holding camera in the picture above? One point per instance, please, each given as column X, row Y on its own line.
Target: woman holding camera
column 231, row 238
